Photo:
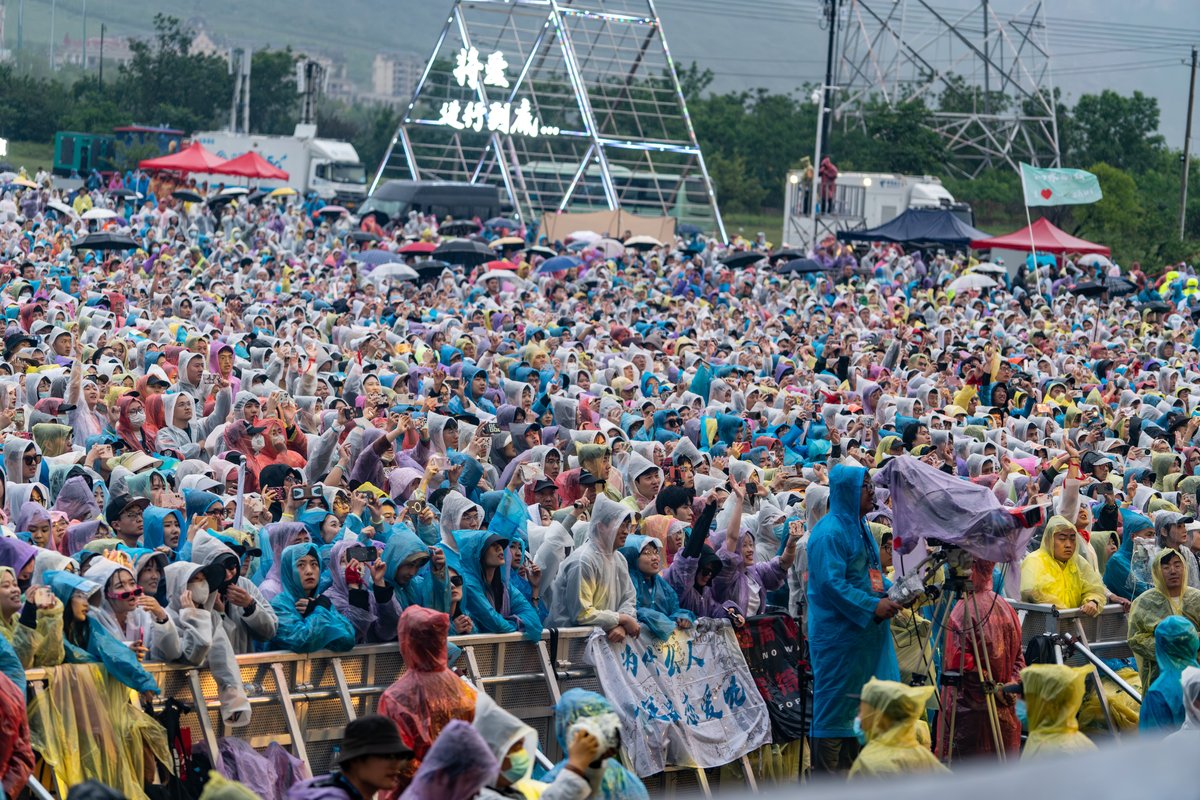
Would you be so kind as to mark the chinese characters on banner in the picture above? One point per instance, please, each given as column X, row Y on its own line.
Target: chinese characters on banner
column 688, row 701
column 502, row 117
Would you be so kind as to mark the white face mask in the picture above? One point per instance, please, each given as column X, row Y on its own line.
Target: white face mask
column 199, row 592
column 138, row 417
column 257, row 443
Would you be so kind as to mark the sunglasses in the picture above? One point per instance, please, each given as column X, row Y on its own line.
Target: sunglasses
column 128, row 594
column 456, row 580
column 32, row 460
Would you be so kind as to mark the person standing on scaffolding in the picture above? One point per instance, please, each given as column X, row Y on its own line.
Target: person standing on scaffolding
column 983, row 650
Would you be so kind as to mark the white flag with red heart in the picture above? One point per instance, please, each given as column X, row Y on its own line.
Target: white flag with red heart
column 1059, row 187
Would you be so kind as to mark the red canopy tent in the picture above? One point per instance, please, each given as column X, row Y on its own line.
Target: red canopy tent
column 251, row 165
column 1045, row 238
column 193, row 158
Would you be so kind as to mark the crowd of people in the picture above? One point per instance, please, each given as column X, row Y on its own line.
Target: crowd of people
column 238, row 437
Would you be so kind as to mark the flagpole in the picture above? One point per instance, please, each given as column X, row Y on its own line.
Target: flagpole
column 1029, row 227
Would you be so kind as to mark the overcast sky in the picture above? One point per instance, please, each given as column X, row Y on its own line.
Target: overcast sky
column 1095, row 44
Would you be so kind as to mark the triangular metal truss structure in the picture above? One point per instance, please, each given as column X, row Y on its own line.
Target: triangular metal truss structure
column 570, row 105
column 985, row 73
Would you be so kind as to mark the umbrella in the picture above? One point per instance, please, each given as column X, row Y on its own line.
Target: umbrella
column 60, row 207
column 376, row 257
column 28, row 184
column 332, row 211
column 418, row 247
column 505, row 265
column 799, row 266
column 582, row 236
column 459, row 227
column 970, row 281
column 256, row 197
column 187, row 196
column 394, row 270
column 688, row 229
column 500, row 275
column 787, row 255
column 363, row 236
column 283, row 191
column 431, row 265
column 989, row 268
column 642, row 242
column 1094, row 260
column 1113, row 286
column 610, row 248
column 105, row 241
column 1157, row 306
column 380, row 216
column 464, row 251
column 508, row 241
column 742, row 260
column 544, row 252
column 123, row 193
column 235, row 191
column 559, row 264
column 99, row 213
column 221, row 199
column 502, row 222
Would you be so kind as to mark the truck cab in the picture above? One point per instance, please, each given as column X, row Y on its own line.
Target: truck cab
column 334, row 171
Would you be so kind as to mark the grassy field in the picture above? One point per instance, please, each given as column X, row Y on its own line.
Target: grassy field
column 30, row 155
column 749, row 225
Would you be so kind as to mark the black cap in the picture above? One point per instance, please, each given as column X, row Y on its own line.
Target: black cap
column 588, row 479
column 254, row 430
column 372, row 735
column 118, row 503
column 544, row 484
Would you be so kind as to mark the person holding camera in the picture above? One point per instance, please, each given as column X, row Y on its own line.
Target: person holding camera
column 847, row 606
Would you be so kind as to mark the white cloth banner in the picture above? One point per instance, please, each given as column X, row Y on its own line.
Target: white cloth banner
column 688, row 701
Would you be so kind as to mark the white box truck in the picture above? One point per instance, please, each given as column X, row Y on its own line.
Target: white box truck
column 863, row 200
column 329, row 167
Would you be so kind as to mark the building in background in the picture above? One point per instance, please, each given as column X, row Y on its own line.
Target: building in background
column 69, row 52
column 395, row 75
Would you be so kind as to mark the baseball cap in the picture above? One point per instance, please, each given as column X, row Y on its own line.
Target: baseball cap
column 119, row 503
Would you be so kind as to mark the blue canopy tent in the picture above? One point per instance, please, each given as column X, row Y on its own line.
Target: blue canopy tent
column 920, row 227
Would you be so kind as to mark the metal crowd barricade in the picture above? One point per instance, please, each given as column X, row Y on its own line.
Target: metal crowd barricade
column 1106, row 635
column 304, row 701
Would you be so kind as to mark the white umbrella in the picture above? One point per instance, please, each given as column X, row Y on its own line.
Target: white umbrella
column 989, row 268
column 501, row 275
column 611, row 248
column 230, row 191
column 583, row 236
column 1094, row 260
column 970, row 281
column 395, row 270
column 99, row 213
column 61, row 208
column 642, row 242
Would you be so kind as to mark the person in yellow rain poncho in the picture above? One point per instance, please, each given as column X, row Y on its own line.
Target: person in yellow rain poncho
column 1053, row 694
column 85, row 724
column 892, row 717
column 1057, row 574
column 1170, row 596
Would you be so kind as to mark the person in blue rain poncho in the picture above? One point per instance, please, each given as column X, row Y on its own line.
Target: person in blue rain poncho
column 416, row 572
column 846, row 600
column 488, row 598
column 307, row 620
column 1176, row 643
column 1119, row 575
column 609, row 780
column 657, row 603
column 163, row 528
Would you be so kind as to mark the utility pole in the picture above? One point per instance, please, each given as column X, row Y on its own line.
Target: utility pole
column 53, row 9
column 84, row 64
column 831, row 16
column 20, row 28
column 102, row 56
column 1187, row 141
column 987, row 72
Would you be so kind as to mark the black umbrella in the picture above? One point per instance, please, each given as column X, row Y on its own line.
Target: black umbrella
column 787, row 255
column 502, row 222
column 1115, row 287
column 742, row 260
column 688, row 229
column 381, row 218
column 363, row 236
column 187, row 196
column 1157, row 306
column 257, row 196
column 464, row 251
column 544, row 252
column 105, row 241
column 459, row 227
column 123, row 193
column 221, row 200
column 799, row 266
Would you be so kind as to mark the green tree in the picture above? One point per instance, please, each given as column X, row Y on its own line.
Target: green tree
column 274, row 103
column 165, row 82
column 1117, row 219
column 1116, row 130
